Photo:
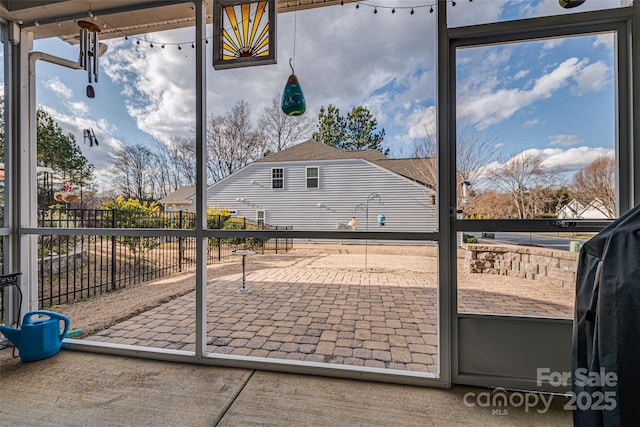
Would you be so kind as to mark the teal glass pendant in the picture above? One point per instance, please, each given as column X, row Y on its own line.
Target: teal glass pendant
column 293, row 103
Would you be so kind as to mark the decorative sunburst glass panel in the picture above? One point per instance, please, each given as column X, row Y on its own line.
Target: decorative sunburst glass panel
column 244, row 33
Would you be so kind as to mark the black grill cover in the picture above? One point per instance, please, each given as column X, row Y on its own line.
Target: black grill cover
column 606, row 327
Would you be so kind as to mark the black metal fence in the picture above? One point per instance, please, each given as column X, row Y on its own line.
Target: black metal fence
column 75, row 267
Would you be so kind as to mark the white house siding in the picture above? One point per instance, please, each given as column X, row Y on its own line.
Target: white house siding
column 344, row 184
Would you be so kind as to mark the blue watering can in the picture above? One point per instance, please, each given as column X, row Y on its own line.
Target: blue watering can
column 39, row 338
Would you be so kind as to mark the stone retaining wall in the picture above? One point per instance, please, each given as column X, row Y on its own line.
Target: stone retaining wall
column 54, row 264
column 546, row 265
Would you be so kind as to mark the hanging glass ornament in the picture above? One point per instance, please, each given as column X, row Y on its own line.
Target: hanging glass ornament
column 293, row 103
column 568, row 4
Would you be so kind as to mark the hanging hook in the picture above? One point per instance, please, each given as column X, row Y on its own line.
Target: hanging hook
column 292, row 70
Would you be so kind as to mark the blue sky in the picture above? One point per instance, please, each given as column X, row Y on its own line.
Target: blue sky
column 553, row 96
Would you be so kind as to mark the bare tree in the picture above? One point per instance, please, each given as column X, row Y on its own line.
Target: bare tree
column 474, row 150
column 134, row 173
column 490, row 204
column 281, row 131
column 232, row 142
column 185, row 159
column 525, row 178
column 174, row 164
column 597, row 181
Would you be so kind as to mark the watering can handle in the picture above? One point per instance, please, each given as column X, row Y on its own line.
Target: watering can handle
column 54, row 315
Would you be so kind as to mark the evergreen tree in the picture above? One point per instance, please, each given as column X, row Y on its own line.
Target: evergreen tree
column 331, row 127
column 60, row 152
column 361, row 131
column 356, row 131
column 56, row 150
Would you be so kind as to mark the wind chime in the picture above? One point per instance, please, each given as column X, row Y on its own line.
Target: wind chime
column 293, row 103
column 90, row 136
column 89, row 52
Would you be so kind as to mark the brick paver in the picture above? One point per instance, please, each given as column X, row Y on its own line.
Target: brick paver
column 384, row 319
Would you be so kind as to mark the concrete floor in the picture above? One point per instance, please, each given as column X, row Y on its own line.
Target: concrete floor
column 85, row 389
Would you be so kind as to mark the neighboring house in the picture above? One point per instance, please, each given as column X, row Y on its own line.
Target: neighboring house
column 578, row 209
column 313, row 186
column 180, row 200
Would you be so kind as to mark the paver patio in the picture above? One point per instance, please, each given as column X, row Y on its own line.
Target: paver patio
column 328, row 308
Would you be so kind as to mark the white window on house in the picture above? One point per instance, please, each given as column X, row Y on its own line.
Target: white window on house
column 260, row 218
column 313, row 177
column 277, row 178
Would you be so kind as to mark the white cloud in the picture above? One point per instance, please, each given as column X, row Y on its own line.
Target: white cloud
column 531, row 123
column 56, row 86
column 487, row 109
column 565, row 140
column 605, row 40
column 421, row 123
column 572, row 159
column 366, row 60
column 552, row 43
column 592, row 77
column 560, row 160
column 79, row 107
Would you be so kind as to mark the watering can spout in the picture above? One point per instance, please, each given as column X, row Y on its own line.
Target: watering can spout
column 12, row 334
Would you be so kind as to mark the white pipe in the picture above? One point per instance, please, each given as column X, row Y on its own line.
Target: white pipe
column 35, row 56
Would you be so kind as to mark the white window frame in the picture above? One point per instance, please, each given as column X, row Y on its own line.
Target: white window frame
column 317, row 177
column 273, row 179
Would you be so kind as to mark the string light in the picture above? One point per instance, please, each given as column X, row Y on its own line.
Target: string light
column 151, row 43
column 394, row 8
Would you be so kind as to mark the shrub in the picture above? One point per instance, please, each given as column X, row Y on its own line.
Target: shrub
column 467, row 238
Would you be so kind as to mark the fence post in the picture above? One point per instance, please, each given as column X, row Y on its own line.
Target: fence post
column 219, row 240
column 114, row 270
column 180, row 225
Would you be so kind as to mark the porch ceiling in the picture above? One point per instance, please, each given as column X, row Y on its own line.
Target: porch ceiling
column 57, row 18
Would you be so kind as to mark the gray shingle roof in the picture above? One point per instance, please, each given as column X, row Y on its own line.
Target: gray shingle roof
column 314, row 150
column 421, row 170
column 180, row 196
